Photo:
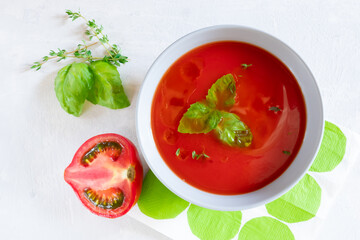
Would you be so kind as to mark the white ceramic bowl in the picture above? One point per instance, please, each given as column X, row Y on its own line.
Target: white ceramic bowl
column 303, row 160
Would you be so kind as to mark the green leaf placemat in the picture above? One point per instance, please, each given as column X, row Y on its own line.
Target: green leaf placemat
column 295, row 215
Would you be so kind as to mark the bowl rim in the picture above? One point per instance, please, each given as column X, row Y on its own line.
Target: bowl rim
column 272, row 197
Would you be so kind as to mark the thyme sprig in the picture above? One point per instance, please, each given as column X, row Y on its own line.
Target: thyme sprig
column 197, row 156
column 194, row 155
column 82, row 51
column 245, row 66
column 275, row 109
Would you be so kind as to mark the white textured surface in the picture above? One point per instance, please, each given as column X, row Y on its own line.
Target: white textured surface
column 38, row 138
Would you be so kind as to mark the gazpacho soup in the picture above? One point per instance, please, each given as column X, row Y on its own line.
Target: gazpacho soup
column 228, row 117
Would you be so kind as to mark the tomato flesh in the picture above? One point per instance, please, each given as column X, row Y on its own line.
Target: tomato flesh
column 106, row 174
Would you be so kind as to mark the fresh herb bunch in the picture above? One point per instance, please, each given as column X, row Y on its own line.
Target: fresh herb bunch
column 96, row 79
column 113, row 54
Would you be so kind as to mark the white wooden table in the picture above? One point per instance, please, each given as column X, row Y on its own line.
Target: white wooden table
column 38, row 139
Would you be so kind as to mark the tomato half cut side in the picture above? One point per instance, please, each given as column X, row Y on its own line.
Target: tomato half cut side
column 106, row 174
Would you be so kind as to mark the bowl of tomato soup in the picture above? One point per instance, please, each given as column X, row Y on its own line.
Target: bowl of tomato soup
column 229, row 118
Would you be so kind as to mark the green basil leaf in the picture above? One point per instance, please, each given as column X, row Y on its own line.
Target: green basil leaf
column 222, row 92
column 199, row 118
column 203, row 117
column 72, row 85
column 107, row 90
column 232, row 131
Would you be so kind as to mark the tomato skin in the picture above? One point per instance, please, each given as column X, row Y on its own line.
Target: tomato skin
column 101, row 173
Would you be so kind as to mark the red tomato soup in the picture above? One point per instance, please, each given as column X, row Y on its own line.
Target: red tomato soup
column 263, row 85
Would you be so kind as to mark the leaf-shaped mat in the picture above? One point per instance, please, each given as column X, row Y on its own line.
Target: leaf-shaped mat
column 156, row 201
column 299, row 204
column 265, row 228
column 209, row 224
column 332, row 149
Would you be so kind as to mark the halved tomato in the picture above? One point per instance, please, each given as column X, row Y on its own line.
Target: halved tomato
column 106, row 174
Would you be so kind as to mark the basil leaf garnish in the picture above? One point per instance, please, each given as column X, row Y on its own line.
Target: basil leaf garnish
column 72, row 85
column 199, row 118
column 210, row 115
column 232, row 131
column 107, row 90
column 222, row 93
